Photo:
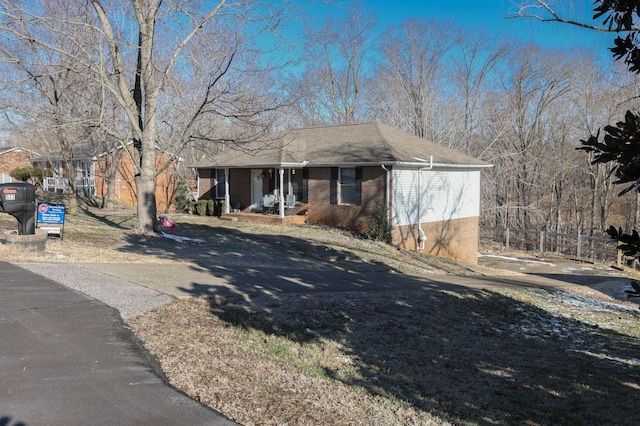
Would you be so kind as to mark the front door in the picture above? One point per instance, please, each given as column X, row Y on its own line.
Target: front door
column 256, row 189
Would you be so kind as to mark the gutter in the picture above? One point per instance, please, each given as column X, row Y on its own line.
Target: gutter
column 352, row 164
column 388, row 194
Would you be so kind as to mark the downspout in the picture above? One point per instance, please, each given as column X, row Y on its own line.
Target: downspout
column 388, row 194
column 422, row 239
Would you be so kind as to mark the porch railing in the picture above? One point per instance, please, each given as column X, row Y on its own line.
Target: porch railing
column 84, row 186
column 55, row 184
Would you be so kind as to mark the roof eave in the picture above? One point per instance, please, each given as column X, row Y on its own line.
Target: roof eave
column 341, row 164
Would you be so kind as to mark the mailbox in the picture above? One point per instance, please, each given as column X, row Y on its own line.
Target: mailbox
column 19, row 200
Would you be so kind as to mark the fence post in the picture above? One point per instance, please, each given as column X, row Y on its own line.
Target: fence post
column 541, row 242
column 619, row 261
column 506, row 238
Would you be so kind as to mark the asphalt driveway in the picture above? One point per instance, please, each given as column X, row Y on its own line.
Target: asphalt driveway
column 68, row 359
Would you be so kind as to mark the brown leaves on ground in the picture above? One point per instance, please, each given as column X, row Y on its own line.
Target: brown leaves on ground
column 431, row 357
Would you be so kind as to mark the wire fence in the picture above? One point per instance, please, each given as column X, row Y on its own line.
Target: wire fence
column 571, row 245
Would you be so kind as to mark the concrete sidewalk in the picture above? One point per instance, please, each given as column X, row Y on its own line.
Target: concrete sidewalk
column 68, row 359
column 190, row 280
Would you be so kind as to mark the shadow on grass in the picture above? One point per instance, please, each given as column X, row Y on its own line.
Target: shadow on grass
column 466, row 355
column 103, row 218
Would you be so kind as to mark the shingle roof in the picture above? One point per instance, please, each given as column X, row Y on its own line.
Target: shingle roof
column 371, row 143
column 81, row 151
column 17, row 149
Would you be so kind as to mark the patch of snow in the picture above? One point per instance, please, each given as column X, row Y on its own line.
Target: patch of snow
column 180, row 239
column 515, row 259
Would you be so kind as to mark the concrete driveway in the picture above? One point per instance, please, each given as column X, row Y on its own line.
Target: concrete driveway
column 565, row 270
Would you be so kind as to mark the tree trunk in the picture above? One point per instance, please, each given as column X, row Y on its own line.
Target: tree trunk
column 146, row 204
column 111, row 194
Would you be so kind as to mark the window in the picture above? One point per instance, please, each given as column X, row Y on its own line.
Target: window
column 218, row 183
column 346, row 185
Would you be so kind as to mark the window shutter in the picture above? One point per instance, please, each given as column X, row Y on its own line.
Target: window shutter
column 305, row 185
column 334, row 186
column 358, row 186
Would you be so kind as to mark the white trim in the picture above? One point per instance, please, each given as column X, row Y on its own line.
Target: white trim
column 304, row 164
column 17, row 148
column 227, row 208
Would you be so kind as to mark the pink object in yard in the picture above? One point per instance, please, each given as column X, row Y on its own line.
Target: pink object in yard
column 168, row 223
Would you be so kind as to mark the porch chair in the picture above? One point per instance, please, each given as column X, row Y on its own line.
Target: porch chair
column 268, row 202
column 290, row 201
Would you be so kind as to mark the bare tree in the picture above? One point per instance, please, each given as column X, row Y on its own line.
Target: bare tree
column 330, row 89
column 533, row 82
column 410, row 68
column 50, row 95
column 140, row 45
column 470, row 74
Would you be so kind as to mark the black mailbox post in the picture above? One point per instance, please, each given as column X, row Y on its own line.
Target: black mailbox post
column 19, row 200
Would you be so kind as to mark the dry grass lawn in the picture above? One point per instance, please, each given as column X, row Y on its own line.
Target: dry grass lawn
column 515, row 356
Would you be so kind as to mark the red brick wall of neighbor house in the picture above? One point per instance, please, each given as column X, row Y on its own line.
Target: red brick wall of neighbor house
column 454, row 239
column 355, row 217
column 166, row 183
column 14, row 160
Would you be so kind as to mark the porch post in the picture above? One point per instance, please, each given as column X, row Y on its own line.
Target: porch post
column 227, row 208
column 281, row 194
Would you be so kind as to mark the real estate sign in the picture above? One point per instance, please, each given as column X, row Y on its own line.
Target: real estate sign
column 51, row 213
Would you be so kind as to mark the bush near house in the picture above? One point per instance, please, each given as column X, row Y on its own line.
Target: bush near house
column 201, row 207
column 36, row 174
column 378, row 222
column 209, row 207
column 182, row 197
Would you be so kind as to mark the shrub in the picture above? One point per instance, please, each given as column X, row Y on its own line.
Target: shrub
column 36, row 174
column 218, row 208
column 201, row 207
column 378, row 222
column 182, row 196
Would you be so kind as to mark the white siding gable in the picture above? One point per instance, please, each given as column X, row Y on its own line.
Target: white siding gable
column 446, row 194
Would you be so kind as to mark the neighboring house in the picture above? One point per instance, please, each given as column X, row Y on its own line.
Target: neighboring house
column 14, row 158
column 91, row 179
column 84, row 166
column 340, row 174
column 125, row 186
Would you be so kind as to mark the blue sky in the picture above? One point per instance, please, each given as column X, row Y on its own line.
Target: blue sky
column 490, row 15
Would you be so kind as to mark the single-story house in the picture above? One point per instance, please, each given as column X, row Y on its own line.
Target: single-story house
column 340, row 175
column 14, row 158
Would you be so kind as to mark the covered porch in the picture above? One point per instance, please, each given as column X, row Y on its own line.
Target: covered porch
column 261, row 191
